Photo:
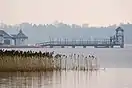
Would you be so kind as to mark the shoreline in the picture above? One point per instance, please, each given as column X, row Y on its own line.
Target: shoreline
column 26, row 46
column 20, row 46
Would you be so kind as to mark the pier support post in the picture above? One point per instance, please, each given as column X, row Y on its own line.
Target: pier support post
column 62, row 46
column 107, row 46
column 111, row 46
column 73, row 46
column 51, row 46
column 95, row 46
column 122, row 46
column 84, row 46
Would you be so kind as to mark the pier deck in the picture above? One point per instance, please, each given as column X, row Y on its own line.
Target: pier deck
column 116, row 40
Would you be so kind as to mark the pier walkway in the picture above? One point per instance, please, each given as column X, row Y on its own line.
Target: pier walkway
column 116, row 40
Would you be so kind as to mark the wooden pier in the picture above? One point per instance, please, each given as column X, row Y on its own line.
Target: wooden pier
column 116, row 40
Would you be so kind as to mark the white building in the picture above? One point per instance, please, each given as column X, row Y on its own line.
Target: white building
column 7, row 39
column 1, row 39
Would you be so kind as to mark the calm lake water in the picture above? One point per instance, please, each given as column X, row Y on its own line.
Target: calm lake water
column 117, row 61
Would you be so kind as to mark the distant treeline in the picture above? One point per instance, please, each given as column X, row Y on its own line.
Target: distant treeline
column 58, row 25
column 70, row 31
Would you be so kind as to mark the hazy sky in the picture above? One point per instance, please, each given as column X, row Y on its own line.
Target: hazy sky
column 94, row 12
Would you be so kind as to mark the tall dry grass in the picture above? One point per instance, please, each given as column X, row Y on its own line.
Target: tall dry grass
column 39, row 63
column 18, row 63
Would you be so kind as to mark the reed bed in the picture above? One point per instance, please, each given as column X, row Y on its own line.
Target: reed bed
column 77, row 62
column 38, row 61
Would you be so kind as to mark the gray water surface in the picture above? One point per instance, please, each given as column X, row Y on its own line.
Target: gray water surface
column 118, row 64
column 110, row 78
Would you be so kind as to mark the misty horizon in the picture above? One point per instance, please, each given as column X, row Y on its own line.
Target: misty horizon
column 61, row 22
column 42, row 32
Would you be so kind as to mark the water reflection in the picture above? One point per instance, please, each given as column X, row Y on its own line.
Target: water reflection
column 54, row 79
column 25, row 79
column 67, row 79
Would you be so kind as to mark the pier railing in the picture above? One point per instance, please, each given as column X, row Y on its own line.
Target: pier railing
column 116, row 40
column 76, row 43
